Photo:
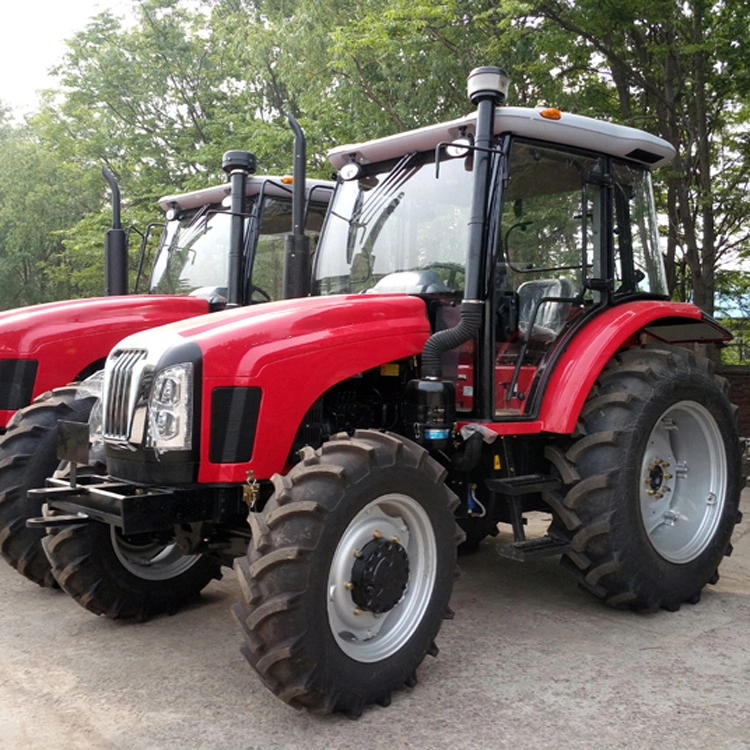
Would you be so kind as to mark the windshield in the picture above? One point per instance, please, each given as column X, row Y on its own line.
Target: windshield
column 193, row 254
column 398, row 228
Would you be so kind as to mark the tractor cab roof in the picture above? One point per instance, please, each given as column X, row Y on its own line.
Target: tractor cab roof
column 540, row 124
column 276, row 186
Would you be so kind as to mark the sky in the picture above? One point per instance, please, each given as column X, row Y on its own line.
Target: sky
column 32, row 35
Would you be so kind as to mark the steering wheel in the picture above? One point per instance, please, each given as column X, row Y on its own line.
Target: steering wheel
column 453, row 270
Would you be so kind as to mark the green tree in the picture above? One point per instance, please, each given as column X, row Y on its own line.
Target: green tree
column 681, row 71
column 40, row 197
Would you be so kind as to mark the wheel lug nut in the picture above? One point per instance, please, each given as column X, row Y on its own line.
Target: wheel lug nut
column 396, row 539
column 667, row 476
column 348, row 585
column 357, row 553
column 652, row 492
column 357, row 611
column 377, row 534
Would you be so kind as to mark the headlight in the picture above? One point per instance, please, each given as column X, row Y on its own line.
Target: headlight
column 170, row 409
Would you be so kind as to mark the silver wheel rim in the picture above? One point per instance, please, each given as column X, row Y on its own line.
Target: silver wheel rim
column 152, row 561
column 365, row 636
column 683, row 482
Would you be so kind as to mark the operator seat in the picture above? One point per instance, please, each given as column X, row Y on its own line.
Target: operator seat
column 550, row 316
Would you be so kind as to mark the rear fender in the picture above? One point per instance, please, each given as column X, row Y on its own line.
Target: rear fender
column 574, row 374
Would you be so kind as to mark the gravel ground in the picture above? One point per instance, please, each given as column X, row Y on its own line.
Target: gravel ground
column 529, row 661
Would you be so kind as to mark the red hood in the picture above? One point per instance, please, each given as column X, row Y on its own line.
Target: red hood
column 244, row 339
column 27, row 329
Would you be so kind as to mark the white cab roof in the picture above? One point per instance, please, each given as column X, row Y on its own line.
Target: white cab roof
column 217, row 193
column 570, row 130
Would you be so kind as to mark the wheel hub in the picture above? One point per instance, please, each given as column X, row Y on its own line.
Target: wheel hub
column 379, row 576
column 656, row 477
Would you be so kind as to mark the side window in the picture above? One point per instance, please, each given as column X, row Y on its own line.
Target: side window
column 550, row 232
column 316, row 213
column 639, row 265
column 275, row 224
column 268, row 268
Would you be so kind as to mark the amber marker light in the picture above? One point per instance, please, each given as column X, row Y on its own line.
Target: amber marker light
column 287, row 179
column 550, row 113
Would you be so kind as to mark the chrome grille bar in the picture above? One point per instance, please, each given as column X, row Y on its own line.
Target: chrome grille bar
column 119, row 392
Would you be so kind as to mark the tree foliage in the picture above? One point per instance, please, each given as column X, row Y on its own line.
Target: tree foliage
column 160, row 96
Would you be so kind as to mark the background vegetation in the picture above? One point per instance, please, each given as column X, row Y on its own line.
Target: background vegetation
column 159, row 99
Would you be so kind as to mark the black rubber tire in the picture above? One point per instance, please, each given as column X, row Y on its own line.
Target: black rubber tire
column 28, row 456
column 600, row 511
column 286, row 576
column 87, row 567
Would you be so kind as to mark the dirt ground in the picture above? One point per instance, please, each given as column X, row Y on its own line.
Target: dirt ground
column 529, row 661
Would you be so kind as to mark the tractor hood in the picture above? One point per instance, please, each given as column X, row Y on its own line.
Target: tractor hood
column 27, row 330
column 239, row 343
column 291, row 351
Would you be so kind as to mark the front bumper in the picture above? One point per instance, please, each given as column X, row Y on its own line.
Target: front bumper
column 135, row 510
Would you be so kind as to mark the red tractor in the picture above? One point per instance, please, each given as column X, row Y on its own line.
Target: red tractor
column 220, row 247
column 489, row 334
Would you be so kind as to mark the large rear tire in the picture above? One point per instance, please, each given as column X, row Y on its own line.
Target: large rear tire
column 124, row 577
column 654, row 481
column 28, row 455
column 349, row 573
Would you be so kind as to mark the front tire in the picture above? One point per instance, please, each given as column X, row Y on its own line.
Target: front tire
column 28, row 455
column 658, row 480
column 124, row 577
column 349, row 573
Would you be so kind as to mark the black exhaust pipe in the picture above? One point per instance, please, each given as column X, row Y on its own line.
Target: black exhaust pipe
column 238, row 165
column 115, row 245
column 297, row 244
column 430, row 402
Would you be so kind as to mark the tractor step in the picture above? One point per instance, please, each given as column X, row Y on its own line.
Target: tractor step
column 530, row 549
column 523, row 485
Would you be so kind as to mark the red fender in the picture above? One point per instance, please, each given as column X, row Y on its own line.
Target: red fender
column 586, row 355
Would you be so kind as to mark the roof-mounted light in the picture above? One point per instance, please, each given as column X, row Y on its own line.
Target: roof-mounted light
column 351, row 170
column 488, row 82
column 461, row 145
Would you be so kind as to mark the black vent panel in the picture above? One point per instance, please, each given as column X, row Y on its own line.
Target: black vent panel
column 234, row 419
column 17, row 378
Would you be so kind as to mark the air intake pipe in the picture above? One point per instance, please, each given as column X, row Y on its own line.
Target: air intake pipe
column 239, row 165
column 430, row 402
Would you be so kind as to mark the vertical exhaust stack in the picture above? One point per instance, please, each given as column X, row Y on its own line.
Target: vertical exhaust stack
column 429, row 407
column 238, row 165
column 297, row 244
column 115, row 245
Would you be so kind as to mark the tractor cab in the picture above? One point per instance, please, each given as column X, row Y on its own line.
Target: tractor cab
column 192, row 255
column 569, row 229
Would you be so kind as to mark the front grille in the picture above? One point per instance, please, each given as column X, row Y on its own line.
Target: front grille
column 121, row 391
